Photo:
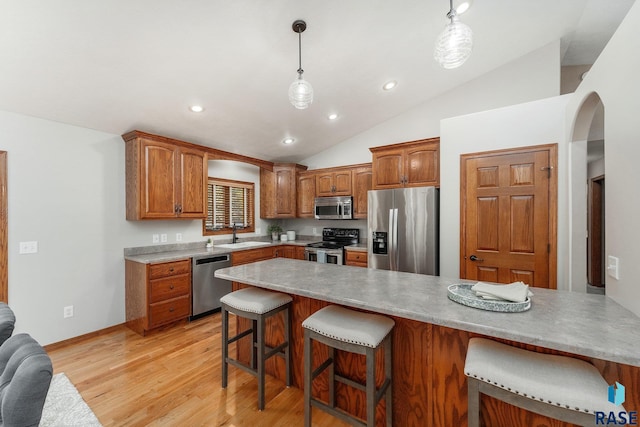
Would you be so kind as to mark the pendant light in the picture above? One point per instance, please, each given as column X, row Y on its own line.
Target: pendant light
column 300, row 91
column 454, row 44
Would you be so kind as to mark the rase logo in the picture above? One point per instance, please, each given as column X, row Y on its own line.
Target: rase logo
column 616, row 395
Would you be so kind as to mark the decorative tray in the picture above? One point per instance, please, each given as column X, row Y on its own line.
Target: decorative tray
column 462, row 294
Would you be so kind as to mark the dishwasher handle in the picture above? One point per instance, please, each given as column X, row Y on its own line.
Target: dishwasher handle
column 218, row 258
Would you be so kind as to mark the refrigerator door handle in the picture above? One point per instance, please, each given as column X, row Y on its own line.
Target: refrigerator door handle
column 396, row 254
column 390, row 247
column 393, row 239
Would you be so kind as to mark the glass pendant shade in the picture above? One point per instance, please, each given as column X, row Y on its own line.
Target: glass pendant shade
column 300, row 93
column 454, row 44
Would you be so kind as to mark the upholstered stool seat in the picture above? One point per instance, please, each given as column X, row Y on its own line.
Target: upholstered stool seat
column 355, row 332
column 559, row 387
column 256, row 305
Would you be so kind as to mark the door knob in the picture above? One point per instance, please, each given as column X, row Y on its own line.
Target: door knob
column 475, row 258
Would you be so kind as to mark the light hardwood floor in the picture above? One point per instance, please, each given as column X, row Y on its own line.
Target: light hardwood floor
column 172, row 378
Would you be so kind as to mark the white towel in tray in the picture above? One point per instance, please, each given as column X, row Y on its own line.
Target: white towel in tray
column 516, row 292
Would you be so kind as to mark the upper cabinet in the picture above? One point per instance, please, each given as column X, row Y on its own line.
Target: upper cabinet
column 409, row 164
column 278, row 190
column 333, row 182
column 361, row 185
column 306, row 194
column 164, row 180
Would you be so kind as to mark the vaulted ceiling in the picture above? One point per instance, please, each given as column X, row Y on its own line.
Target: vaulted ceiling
column 119, row 65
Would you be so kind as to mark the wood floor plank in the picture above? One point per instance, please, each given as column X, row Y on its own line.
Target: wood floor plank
column 173, row 378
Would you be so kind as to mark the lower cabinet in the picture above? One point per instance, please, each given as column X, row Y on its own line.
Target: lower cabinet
column 157, row 294
column 356, row 258
column 253, row 255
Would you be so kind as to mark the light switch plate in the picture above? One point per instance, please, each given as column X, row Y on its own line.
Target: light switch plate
column 29, row 247
column 613, row 267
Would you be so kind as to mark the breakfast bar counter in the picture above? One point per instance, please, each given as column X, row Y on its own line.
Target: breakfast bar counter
column 432, row 332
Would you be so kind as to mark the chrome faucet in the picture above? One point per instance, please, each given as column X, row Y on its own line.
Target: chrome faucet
column 233, row 231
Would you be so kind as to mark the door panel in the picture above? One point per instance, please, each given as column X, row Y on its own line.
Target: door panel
column 506, row 218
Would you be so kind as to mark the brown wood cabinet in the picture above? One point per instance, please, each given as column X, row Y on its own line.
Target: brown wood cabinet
column 362, row 183
column 278, row 190
column 156, row 294
column 164, row 180
column 356, row 258
column 306, row 194
column 333, row 182
column 252, row 255
column 409, row 164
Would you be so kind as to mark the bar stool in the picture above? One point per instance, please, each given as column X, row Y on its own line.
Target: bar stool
column 559, row 387
column 257, row 305
column 355, row 332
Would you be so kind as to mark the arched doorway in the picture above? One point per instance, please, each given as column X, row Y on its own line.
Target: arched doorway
column 587, row 190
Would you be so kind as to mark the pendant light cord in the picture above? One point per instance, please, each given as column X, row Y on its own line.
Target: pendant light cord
column 300, row 70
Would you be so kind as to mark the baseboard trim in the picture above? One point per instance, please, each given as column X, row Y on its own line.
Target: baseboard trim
column 61, row 344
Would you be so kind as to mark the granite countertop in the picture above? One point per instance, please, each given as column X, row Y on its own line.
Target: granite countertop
column 584, row 324
column 175, row 252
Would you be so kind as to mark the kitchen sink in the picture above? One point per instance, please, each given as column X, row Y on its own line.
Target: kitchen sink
column 241, row 245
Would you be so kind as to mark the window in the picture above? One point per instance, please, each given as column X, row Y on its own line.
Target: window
column 228, row 203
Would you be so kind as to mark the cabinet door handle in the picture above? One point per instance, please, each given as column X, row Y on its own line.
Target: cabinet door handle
column 171, row 270
column 171, row 309
column 171, row 286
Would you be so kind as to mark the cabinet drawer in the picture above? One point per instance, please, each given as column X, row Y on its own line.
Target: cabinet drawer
column 356, row 256
column 169, row 287
column 169, row 269
column 168, row 311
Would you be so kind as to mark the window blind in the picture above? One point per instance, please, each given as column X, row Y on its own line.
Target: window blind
column 228, row 203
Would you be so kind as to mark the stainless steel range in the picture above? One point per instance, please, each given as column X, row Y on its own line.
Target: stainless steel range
column 330, row 249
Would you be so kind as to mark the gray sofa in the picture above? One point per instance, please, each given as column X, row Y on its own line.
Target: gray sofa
column 25, row 376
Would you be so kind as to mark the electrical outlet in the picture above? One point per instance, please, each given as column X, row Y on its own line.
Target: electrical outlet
column 315, row 231
column 28, row 247
column 68, row 311
column 178, row 237
column 156, row 238
column 163, row 238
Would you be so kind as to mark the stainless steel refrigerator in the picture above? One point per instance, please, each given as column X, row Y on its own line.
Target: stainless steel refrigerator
column 403, row 230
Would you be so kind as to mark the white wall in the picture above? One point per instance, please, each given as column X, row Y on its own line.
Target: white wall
column 533, row 76
column 66, row 190
column 614, row 78
column 533, row 123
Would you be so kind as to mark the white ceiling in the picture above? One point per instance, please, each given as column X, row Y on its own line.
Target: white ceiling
column 120, row 65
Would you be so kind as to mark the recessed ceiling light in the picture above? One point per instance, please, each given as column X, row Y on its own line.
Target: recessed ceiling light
column 463, row 7
column 332, row 116
column 288, row 141
column 196, row 108
column 389, row 85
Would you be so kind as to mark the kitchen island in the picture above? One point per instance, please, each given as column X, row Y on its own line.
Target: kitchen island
column 432, row 332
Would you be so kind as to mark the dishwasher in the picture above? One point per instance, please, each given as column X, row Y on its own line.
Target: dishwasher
column 206, row 289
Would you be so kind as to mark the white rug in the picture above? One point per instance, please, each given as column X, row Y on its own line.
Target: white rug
column 64, row 407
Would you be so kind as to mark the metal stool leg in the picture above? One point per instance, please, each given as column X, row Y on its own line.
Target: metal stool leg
column 307, row 378
column 260, row 350
column 371, row 387
column 473, row 403
column 225, row 346
column 388, row 369
column 287, row 351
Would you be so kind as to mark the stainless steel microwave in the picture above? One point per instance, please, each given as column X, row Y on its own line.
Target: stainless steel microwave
column 334, row 207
